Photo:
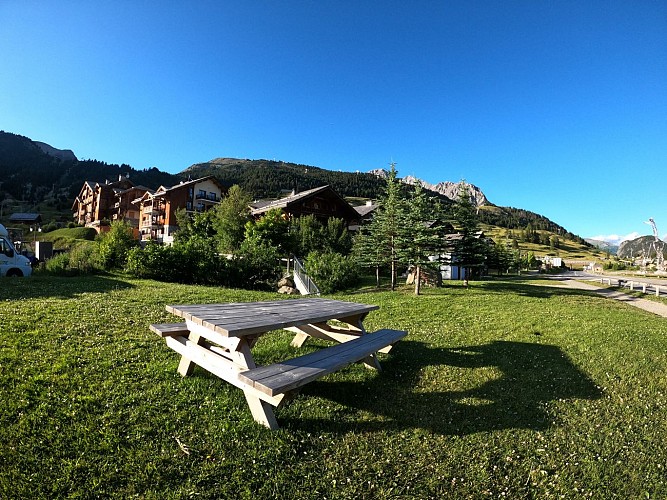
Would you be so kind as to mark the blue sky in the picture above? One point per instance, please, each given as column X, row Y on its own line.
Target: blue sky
column 555, row 107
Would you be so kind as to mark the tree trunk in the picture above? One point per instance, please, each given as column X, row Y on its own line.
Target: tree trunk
column 393, row 275
column 418, row 279
column 377, row 276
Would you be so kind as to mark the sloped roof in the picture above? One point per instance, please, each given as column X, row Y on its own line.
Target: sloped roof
column 364, row 210
column 348, row 213
column 163, row 189
column 262, row 206
column 25, row 218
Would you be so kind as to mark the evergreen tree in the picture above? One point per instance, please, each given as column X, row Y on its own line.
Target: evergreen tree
column 469, row 249
column 388, row 219
column 370, row 249
column 419, row 236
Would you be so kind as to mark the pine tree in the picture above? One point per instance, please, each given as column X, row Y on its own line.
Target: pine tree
column 386, row 227
column 419, row 236
column 370, row 249
column 469, row 249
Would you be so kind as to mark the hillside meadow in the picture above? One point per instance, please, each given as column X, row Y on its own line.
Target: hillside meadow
column 511, row 388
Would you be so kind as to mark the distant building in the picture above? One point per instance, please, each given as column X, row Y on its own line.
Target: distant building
column 97, row 204
column 26, row 218
column 450, row 267
column 366, row 213
column 157, row 209
column 124, row 209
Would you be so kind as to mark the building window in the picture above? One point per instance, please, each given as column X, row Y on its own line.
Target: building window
column 188, row 205
column 202, row 193
column 191, row 193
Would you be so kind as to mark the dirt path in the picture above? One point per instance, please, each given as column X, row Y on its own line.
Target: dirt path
column 647, row 305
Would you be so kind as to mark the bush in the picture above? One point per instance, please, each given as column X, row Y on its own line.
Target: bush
column 59, row 265
column 115, row 245
column 189, row 262
column 332, row 271
column 83, row 258
column 256, row 266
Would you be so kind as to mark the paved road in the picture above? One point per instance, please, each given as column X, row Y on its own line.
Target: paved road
column 571, row 281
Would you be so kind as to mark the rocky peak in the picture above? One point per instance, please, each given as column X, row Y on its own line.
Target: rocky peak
column 449, row 189
column 63, row 154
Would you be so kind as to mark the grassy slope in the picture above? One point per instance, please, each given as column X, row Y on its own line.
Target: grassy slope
column 569, row 250
column 507, row 388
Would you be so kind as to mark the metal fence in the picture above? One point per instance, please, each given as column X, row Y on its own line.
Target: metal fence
column 300, row 274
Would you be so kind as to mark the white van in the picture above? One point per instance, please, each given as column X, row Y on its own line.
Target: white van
column 11, row 262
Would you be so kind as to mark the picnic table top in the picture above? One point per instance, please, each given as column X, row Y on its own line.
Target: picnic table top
column 238, row 319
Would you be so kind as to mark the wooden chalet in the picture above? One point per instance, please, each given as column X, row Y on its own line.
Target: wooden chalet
column 100, row 203
column 322, row 202
column 157, row 209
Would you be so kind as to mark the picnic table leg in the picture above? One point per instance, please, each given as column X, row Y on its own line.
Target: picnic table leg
column 355, row 328
column 186, row 366
column 299, row 339
column 373, row 362
column 261, row 411
column 356, row 324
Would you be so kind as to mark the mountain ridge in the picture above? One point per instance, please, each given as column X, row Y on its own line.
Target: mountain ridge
column 638, row 247
column 29, row 177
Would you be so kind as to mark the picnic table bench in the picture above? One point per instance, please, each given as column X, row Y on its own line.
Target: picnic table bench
column 220, row 338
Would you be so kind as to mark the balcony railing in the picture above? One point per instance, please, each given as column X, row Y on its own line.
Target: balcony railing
column 207, row 197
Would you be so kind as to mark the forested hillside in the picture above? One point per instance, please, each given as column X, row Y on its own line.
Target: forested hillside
column 31, row 179
column 267, row 179
column 516, row 218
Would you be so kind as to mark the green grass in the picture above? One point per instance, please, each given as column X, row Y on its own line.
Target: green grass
column 569, row 250
column 508, row 388
column 66, row 238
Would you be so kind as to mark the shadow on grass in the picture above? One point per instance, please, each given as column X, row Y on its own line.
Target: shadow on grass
column 41, row 286
column 513, row 395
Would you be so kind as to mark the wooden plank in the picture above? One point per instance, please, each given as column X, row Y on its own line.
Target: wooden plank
column 288, row 375
column 217, row 365
column 224, row 314
column 170, row 329
column 240, row 319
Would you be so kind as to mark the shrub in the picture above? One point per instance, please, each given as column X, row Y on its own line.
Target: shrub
column 115, row 245
column 256, row 266
column 59, row 265
column 332, row 271
column 189, row 262
column 83, row 258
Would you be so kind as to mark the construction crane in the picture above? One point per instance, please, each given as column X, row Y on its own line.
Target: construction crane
column 658, row 246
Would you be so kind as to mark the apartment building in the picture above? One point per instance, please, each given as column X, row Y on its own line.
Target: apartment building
column 97, row 204
column 157, row 209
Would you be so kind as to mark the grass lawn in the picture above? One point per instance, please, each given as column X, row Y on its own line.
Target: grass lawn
column 509, row 388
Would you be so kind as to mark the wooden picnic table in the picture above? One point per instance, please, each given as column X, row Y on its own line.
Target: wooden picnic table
column 220, row 338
